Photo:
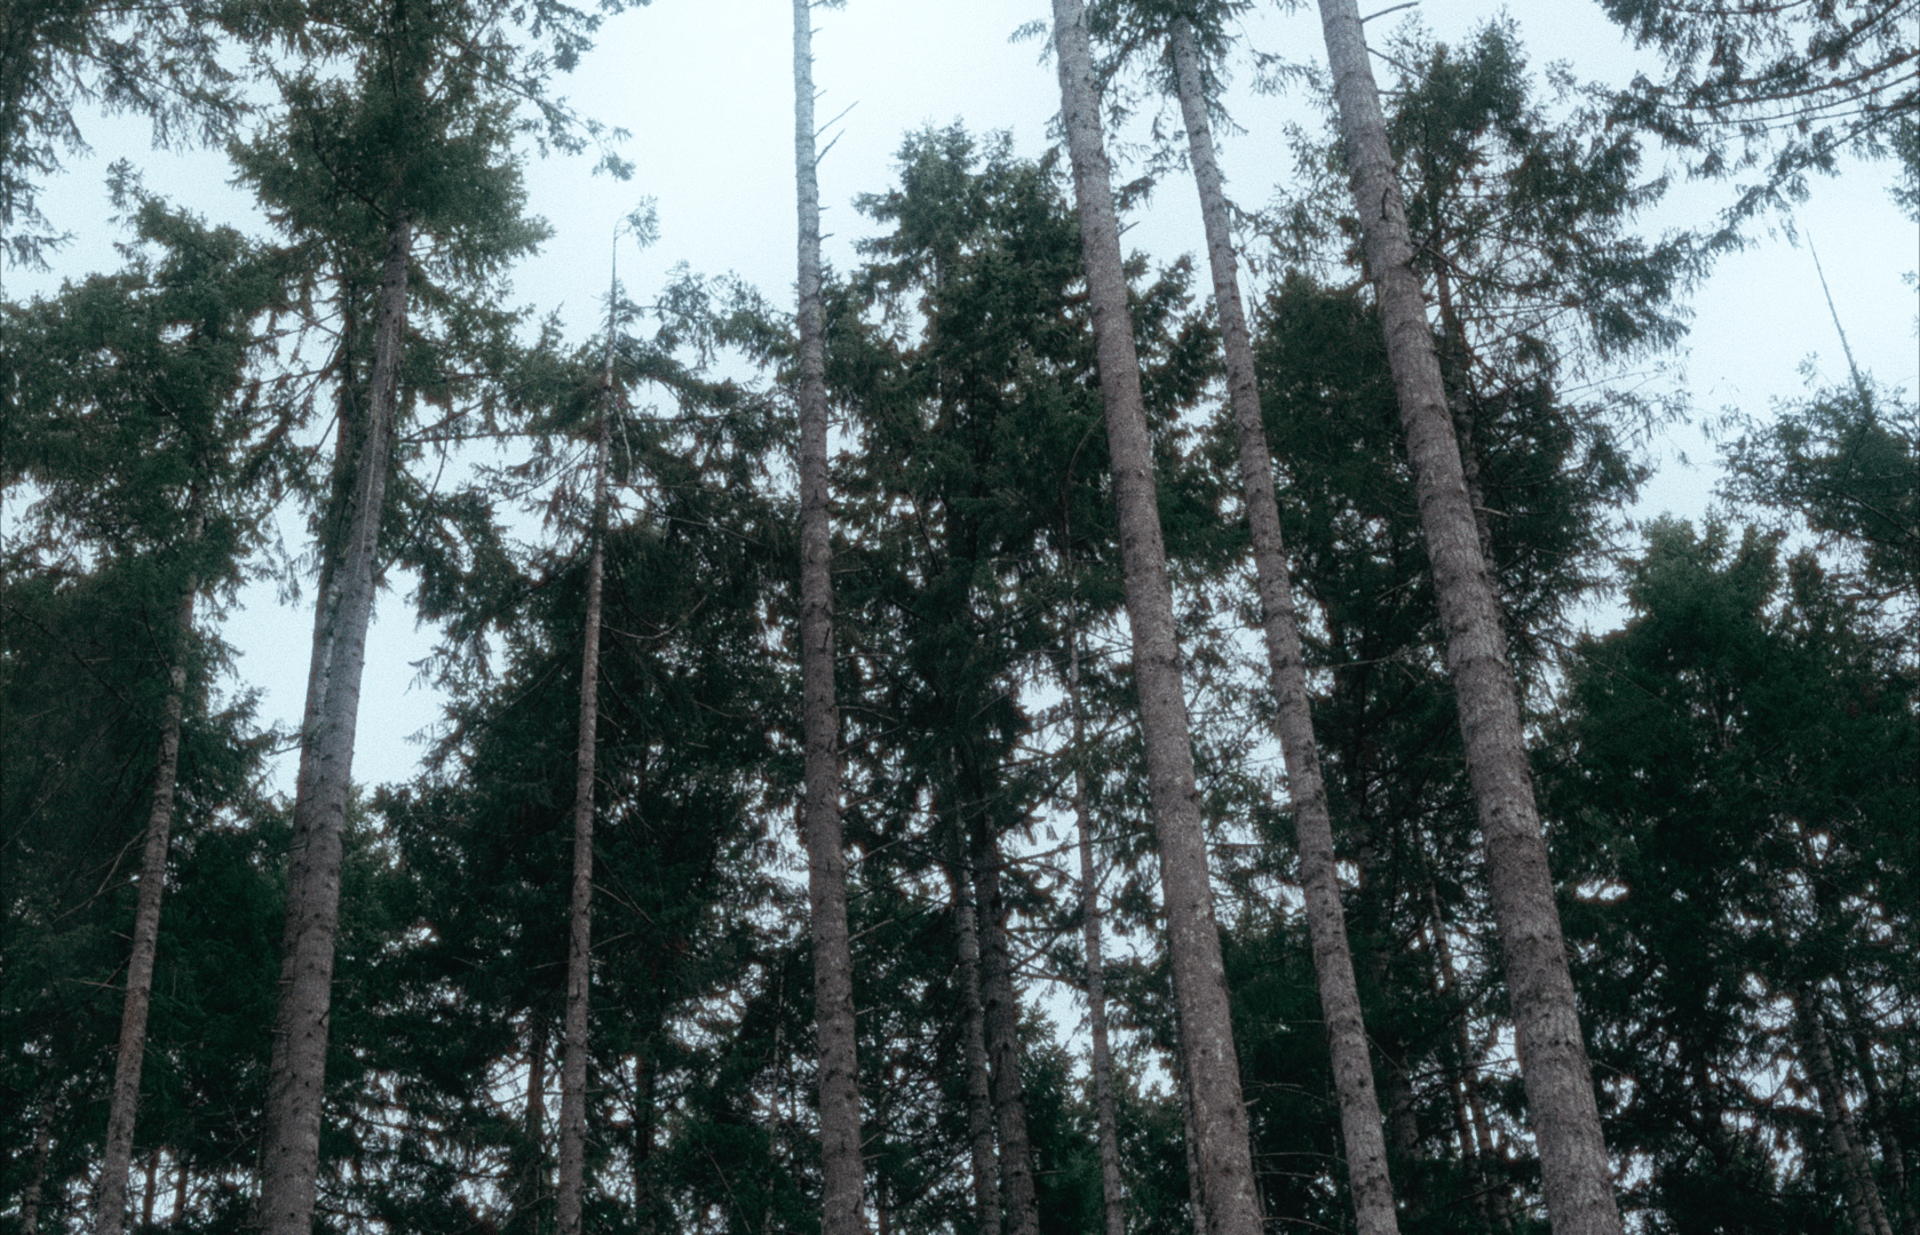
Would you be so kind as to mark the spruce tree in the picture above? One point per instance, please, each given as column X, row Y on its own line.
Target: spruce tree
column 1574, row 1165
column 1206, row 1032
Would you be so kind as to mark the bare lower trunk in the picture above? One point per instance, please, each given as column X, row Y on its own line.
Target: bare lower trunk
column 1559, row 1084
column 573, row 1062
column 986, row 1168
column 1864, row 1206
column 1113, row 1205
column 1206, row 1029
column 290, row 1146
column 1326, row 922
column 110, row 1210
column 1003, row 1042
column 842, row 1212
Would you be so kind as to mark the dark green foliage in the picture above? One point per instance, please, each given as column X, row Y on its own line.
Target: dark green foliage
column 1736, row 779
column 139, row 455
column 1786, row 88
column 1521, row 203
column 1847, row 461
column 1544, row 473
column 58, row 57
column 687, row 769
column 1519, row 213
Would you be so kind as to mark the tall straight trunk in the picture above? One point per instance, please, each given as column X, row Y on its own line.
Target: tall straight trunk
column 1477, row 1149
column 30, row 1192
column 986, row 1167
column 644, row 1081
column 842, row 1212
column 527, row 1188
column 573, row 1060
column 110, row 1210
column 153, row 1185
column 1002, row 1008
column 1200, row 988
column 1360, row 1122
column 1196, row 1185
column 1559, row 1083
column 290, row 1146
column 1864, row 1206
column 1879, row 1113
column 1113, row 1199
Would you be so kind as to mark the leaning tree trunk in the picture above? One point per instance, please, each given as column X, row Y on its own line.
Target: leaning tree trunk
column 1559, row 1083
column 110, row 1212
column 1206, row 1030
column 573, row 1059
column 841, row 1209
column 1112, row 1195
column 1313, row 826
column 290, row 1146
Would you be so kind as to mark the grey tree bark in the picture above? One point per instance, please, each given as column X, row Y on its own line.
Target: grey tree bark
column 842, row 1209
column 1360, row 1121
column 1559, row 1085
column 1113, row 1206
column 110, row 1209
column 1206, row 1030
column 290, row 1145
column 573, row 1059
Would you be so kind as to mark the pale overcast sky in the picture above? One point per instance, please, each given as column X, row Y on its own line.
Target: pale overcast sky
column 706, row 91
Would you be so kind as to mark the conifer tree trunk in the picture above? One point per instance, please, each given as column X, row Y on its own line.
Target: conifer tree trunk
column 1206, row 1030
column 1113, row 1205
column 110, row 1211
column 1196, row 1185
column 573, row 1062
column 842, row 1210
column 1879, row 1113
column 1559, row 1085
column 986, row 1168
column 30, row 1192
column 290, row 1147
column 153, row 1183
column 527, row 1188
column 1864, row 1206
column 1477, row 1150
column 1002, row 1017
column 645, row 1077
column 1360, row 1122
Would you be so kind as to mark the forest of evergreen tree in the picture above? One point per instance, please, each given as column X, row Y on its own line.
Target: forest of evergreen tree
column 1027, row 740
